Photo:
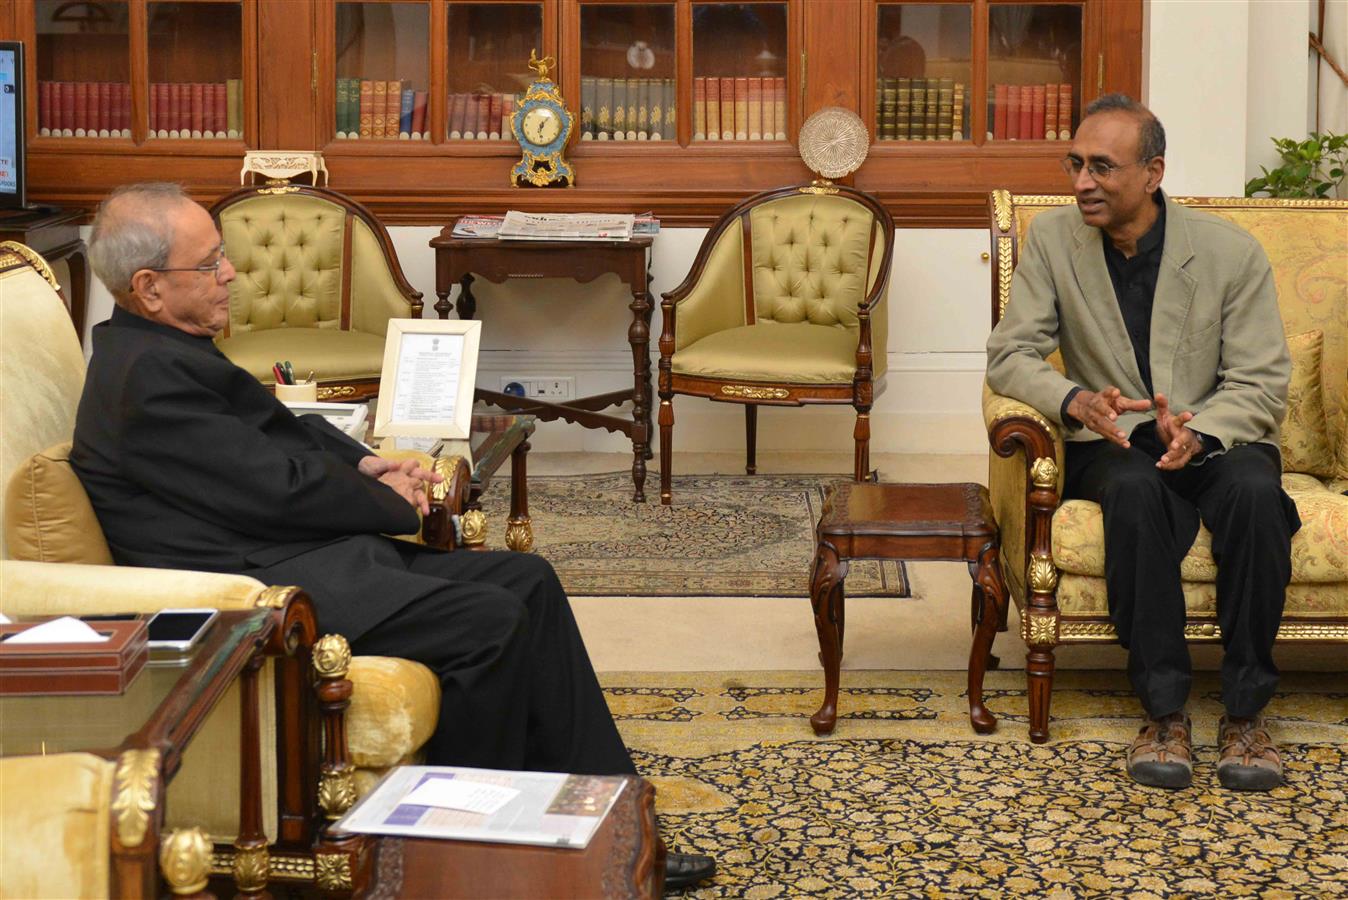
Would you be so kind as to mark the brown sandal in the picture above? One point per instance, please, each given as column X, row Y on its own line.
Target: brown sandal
column 1162, row 753
column 1249, row 759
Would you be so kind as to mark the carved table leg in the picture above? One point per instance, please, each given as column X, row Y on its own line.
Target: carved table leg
column 519, row 529
column 826, row 594
column 252, row 862
column 990, row 590
column 649, row 380
column 466, row 306
column 638, row 335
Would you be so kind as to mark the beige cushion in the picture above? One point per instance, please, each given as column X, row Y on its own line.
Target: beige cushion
column 1319, row 549
column 331, row 354
column 394, row 707
column 800, row 354
column 55, row 830
column 1306, row 446
column 1085, row 596
column 48, row 516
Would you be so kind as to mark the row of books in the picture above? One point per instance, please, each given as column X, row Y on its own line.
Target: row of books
column 197, row 110
column 627, row 109
column 1030, row 112
column 481, row 117
column 739, row 109
column 919, row 109
column 375, row 108
column 84, row 109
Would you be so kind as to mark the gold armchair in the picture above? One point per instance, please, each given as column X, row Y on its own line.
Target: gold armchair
column 57, row 562
column 317, row 282
column 784, row 306
column 1053, row 552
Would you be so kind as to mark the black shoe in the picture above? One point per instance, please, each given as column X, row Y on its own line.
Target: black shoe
column 683, row 869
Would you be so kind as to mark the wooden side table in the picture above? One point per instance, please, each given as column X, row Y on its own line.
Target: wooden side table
column 458, row 260
column 913, row 522
column 55, row 233
column 625, row 859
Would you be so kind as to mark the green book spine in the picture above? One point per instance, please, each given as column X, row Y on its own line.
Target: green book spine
column 903, row 106
column 643, row 109
column 656, row 123
column 917, row 128
column 933, row 101
column 889, row 111
column 633, row 99
column 603, row 114
column 620, row 109
column 234, row 107
column 945, row 112
column 671, row 105
column 587, row 97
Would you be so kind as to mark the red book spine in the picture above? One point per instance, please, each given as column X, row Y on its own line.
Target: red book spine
column 81, row 107
column 999, row 101
column 1012, row 112
column 221, row 109
column 44, row 107
column 175, row 105
column 107, row 115
column 727, row 109
column 1037, row 119
column 483, row 128
column 494, row 106
column 165, row 109
column 419, row 112
column 1026, row 113
column 1064, row 112
column 65, row 108
column 713, row 113
column 1051, row 112
column 198, row 108
column 456, row 110
column 779, row 107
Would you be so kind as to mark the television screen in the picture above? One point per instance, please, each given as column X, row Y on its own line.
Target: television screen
column 11, row 125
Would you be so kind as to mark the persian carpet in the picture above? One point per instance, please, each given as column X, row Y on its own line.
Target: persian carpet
column 725, row 536
column 904, row 800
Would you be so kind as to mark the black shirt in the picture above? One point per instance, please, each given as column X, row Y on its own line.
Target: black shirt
column 1135, row 286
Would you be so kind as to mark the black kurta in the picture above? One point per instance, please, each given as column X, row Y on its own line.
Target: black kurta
column 191, row 464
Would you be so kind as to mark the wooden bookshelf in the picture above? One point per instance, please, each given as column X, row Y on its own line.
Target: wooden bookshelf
column 289, row 56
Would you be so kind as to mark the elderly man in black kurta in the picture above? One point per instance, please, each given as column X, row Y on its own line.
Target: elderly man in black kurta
column 191, row 463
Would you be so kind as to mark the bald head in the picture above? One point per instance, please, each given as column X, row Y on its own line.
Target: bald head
column 133, row 230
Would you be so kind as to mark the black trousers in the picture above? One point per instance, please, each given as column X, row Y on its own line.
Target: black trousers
column 1151, row 518
column 517, row 687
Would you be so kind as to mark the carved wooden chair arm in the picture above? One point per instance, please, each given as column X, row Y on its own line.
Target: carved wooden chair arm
column 449, row 500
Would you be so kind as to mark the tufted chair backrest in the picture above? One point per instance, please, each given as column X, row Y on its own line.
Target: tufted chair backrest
column 292, row 255
column 813, row 259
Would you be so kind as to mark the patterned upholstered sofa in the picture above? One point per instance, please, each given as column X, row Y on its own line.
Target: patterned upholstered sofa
column 1053, row 552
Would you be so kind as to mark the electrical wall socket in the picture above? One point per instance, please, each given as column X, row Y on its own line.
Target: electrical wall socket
column 540, row 387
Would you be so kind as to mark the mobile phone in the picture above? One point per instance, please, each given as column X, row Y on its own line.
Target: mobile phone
column 179, row 629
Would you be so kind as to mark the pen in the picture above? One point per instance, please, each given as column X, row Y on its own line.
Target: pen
column 280, row 375
column 290, row 373
column 310, row 377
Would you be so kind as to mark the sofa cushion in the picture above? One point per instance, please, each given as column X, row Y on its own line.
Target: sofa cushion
column 1306, row 446
column 48, row 516
column 1083, row 596
column 395, row 704
column 817, row 354
column 1319, row 549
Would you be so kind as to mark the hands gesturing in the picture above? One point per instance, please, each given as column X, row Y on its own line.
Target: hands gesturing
column 1181, row 443
column 407, row 477
column 1099, row 412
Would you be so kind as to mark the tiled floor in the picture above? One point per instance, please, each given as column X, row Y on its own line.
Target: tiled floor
column 929, row 631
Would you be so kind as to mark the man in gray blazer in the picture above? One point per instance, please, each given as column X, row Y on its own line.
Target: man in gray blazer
column 1175, row 383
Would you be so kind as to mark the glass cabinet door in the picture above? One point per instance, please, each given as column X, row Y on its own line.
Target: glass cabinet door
column 627, row 68
column 1034, row 71
column 923, row 71
column 488, row 65
column 195, row 53
column 739, row 71
column 383, row 66
column 83, row 60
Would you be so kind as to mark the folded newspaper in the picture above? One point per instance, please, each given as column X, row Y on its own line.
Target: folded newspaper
column 455, row 803
column 488, row 226
column 522, row 226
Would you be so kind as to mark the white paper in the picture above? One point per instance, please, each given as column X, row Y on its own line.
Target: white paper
column 455, row 793
column 65, row 630
column 5, row 620
column 427, row 382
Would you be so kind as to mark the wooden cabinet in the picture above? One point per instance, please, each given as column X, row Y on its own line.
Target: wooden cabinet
column 295, row 69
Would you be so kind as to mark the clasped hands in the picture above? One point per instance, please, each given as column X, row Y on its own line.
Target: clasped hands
column 1099, row 411
column 406, row 476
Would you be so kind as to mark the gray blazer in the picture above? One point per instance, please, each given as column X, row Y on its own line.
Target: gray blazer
column 1217, row 344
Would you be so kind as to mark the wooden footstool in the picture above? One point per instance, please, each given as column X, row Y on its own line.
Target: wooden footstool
column 911, row 522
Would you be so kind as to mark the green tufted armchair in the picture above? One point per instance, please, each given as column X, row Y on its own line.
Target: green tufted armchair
column 782, row 307
column 317, row 283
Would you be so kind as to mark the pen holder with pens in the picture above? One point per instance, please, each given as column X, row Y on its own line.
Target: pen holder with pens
column 301, row 392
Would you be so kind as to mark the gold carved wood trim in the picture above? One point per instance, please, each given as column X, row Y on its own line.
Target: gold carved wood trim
column 332, row 871
column 754, row 393
column 283, row 867
column 331, row 656
column 1206, row 631
column 22, row 254
column 185, row 860
column 135, row 794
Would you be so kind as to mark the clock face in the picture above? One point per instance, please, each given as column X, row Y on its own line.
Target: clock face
column 541, row 125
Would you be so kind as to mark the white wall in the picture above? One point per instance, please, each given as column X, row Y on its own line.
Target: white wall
column 1219, row 74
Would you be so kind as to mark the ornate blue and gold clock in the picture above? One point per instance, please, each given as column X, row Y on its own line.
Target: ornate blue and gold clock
column 542, row 125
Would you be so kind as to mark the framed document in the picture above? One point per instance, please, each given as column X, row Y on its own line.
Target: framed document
column 426, row 387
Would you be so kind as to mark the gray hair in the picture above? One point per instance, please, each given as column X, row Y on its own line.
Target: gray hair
column 131, row 232
column 1151, row 134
